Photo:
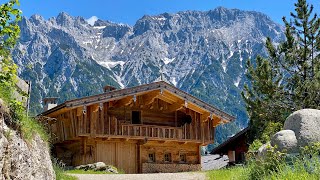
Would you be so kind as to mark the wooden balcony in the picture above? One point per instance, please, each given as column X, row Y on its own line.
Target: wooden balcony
column 149, row 132
column 94, row 126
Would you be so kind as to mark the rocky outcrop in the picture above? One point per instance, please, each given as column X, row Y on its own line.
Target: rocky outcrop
column 20, row 159
column 305, row 123
column 285, row 140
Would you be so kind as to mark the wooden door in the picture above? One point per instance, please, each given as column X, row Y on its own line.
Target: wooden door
column 122, row 155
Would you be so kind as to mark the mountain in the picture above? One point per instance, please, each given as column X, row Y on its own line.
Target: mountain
column 201, row 52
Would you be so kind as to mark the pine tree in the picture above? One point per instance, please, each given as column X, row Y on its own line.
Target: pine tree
column 289, row 78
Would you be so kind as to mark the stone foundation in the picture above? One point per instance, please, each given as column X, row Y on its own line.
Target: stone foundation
column 169, row 168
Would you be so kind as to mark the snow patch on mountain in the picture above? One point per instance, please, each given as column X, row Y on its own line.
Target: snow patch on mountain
column 167, row 60
column 110, row 64
column 92, row 20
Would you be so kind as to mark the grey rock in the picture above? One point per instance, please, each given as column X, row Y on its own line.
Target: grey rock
column 305, row 123
column 3, row 108
column 80, row 167
column 100, row 166
column 262, row 151
column 285, row 140
column 111, row 169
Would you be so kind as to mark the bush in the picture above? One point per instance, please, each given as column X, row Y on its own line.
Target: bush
column 278, row 165
column 256, row 144
column 273, row 161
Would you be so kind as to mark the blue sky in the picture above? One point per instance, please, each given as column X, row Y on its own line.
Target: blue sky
column 129, row 11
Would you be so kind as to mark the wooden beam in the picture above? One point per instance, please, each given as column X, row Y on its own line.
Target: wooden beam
column 196, row 108
column 95, row 107
column 167, row 98
column 149, row 97
column 169, row 95
column 216, row 121
column 123, row 102
column 175, row 106
column 205, row 116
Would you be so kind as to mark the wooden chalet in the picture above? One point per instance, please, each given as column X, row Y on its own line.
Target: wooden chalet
column 149, row 128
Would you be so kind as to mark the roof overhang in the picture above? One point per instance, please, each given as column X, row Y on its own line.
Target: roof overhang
column 215, row 114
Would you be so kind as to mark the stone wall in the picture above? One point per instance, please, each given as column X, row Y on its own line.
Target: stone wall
column 169, row 168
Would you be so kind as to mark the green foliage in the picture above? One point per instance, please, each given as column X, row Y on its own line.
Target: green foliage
column 9, row 29
column 255, row 145
column 9, row 33
column 276, row 165
column 313, row 149
column 289, row 78
column 272, row 162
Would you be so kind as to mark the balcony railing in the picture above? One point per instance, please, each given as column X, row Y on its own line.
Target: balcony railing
column 151, row 131
column 113, row 128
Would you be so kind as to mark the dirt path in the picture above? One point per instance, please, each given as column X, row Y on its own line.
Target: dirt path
column 157, row 176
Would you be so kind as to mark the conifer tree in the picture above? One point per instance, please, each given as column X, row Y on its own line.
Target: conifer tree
column 288, row 79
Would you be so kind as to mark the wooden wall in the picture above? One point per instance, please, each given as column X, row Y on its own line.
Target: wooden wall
column 108, row 120
column 191, row 150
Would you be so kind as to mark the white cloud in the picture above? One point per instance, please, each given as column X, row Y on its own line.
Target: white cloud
column 92, row 20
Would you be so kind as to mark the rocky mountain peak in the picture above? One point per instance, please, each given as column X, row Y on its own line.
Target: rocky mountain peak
column 201, row 52
column 64, row 19
column 36, row 19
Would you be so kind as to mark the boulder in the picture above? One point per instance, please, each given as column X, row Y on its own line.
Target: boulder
column 262, row 151
column 111, row 169
column 285, row 141
column 99, row 166
column 305, row 123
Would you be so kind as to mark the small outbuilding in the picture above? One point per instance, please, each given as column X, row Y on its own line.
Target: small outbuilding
column 235, row 147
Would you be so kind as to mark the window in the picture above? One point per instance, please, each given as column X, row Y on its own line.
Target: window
column 136, row 117
column 183, row 157
column 167, row 157
column 152, row 157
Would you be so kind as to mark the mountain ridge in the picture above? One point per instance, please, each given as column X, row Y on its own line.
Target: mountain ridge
column 202, row 53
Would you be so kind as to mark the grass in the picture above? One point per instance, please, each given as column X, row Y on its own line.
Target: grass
column 229, row 173
column 80, row 171
column 61, row 174
column 302, row 169
column 27, row 126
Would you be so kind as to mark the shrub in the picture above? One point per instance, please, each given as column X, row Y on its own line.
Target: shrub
column 274, row 161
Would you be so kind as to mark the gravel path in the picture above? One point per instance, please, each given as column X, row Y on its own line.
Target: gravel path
column 157, row 176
